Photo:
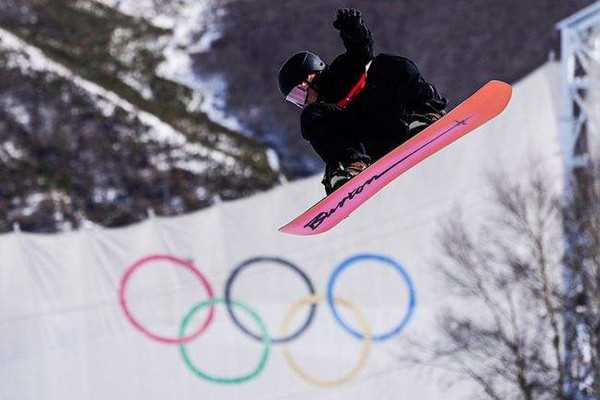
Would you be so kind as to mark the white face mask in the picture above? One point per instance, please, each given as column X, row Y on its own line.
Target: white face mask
column 298, row 96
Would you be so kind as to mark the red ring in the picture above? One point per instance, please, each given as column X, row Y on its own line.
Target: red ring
column 182, row 263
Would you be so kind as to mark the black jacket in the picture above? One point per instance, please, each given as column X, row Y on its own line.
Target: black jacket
column 395, row 79
column 347, row 68
column 378, row 117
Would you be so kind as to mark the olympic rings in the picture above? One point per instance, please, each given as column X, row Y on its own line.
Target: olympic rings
column 294, row 268
column 177, row 261
column 263, row 336
column 386, row 260
column 263, row 329
column 362, row 361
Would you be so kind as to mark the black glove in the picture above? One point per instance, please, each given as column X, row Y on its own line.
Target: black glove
column 354, row 32
column 347, row 18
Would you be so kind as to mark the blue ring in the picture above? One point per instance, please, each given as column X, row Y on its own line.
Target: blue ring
column 285, row 263
column 386, row 260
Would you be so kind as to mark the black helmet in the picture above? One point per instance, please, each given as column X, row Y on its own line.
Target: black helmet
column 297, row 68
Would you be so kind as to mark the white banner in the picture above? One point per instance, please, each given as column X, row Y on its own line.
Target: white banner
column 127, row 313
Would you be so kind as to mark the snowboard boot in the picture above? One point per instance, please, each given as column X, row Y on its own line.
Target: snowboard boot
column 421, row 121
column 428, row 113
column 341, row 172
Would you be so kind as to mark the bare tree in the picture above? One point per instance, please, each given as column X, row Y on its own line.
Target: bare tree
column 505, row 330
column 582, row 224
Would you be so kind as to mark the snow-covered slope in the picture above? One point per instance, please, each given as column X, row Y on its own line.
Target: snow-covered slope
column 30, row 58
column 112, row 88
column 195, row 25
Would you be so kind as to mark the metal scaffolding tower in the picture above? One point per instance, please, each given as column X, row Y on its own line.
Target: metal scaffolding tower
column 580, row 48
column 580, row 117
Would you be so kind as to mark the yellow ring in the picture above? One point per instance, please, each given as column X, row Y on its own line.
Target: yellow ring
column 362, row 322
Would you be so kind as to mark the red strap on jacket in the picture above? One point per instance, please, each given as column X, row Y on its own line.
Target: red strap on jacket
column 356, row 89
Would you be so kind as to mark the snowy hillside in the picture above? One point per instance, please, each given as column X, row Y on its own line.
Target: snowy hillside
column 193, row 26
column 100, row 123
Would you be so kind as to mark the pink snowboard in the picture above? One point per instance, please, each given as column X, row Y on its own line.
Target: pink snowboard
column 483, row 105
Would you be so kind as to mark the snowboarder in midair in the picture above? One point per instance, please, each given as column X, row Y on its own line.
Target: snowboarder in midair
column 359, row 107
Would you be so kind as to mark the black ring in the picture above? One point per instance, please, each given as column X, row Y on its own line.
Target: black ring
column 228, row 300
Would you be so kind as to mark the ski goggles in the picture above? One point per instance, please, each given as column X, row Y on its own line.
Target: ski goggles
column 298, row 95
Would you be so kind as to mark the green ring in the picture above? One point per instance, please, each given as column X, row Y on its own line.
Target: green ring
column 234, row 380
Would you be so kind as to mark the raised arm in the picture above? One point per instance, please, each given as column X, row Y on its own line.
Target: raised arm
column 354, row 32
